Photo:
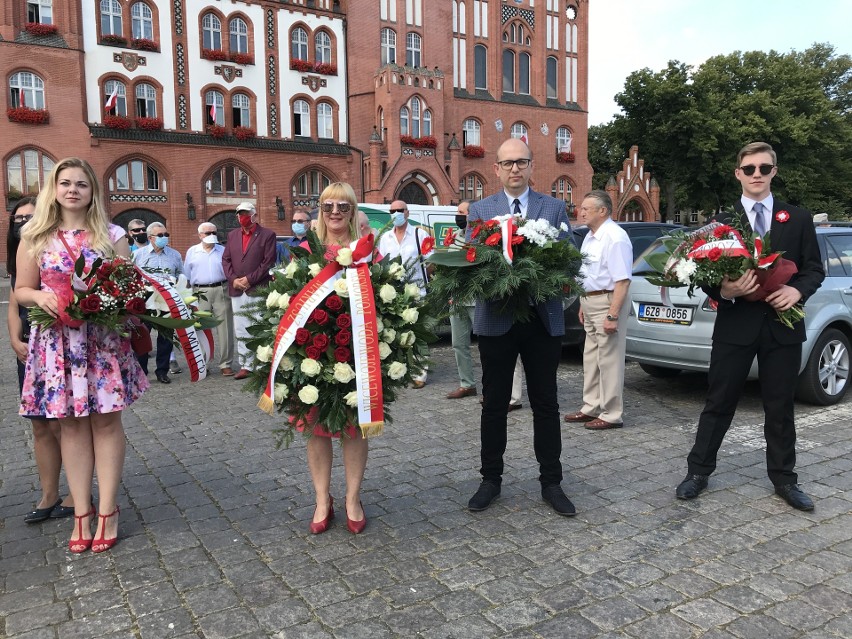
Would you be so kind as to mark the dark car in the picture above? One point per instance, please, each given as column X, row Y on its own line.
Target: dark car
column 641, row 235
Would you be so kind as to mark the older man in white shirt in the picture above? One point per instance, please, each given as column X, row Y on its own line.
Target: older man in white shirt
column 203, row 268
column 607, row 272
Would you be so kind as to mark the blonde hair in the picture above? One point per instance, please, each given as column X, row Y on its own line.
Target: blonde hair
column 338, row 191
column 47, row 217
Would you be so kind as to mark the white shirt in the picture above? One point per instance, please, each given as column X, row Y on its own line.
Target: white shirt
column 523, row 198
column 408, row 249
column 203, row 268
column 768, row 202
column 609, row 257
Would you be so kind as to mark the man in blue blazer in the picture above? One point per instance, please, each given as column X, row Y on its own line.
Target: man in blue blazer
column 537, row 342
column 745, row 329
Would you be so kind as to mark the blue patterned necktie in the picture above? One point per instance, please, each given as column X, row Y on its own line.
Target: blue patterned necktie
column 517, row 204
column 759, row 225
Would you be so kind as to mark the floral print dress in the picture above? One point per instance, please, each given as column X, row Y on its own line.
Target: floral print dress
column 75, row 372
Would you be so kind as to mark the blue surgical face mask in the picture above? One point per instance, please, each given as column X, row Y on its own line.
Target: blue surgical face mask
column 299, row 228
column 398, row 219
column 161, row 242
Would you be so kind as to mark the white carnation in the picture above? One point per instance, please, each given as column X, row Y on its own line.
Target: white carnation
column 387, row 293
column 310, row 367
column 684, row 270
column 396, row 370
column 343, row 372
column 264, row 353
column 410, row 315
column 384, row 350
column 309, row 394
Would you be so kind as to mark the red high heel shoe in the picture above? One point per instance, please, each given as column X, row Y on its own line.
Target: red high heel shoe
column 356, row 527
column 80, row 545
column 322, row 526
column 101, row 544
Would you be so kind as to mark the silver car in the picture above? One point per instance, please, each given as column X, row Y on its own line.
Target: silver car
column 665, row 340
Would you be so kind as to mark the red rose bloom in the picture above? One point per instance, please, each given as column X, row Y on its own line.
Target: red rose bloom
column 313, row 352
column 303, row 336
column 90, row 304
column 135, row 306
column 343, row 338
column 334, row 303
column 714, row 254
column 344, row 320
column 320, row 317
column 494, row 239
column 110, row 288
column 105, row 270
column 342, row 354
column 321, row 341
column 471, row 254
column 427, row 245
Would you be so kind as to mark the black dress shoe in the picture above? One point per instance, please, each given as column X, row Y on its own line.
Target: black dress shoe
column 555, row 496
column 691, row 486
column 793, row 495
column 488, row 491
column 41, row 514
column 163, row 378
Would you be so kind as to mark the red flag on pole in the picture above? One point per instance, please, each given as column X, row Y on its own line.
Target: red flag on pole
column 213, row 112
column 22, row 99
column 112, row 99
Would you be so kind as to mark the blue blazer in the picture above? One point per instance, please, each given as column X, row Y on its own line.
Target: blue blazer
column 488, row 320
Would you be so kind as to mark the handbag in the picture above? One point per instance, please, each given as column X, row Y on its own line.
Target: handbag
column 140, row 339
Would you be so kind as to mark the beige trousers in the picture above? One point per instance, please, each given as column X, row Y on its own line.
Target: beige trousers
column 603, row 361
column 219, row 304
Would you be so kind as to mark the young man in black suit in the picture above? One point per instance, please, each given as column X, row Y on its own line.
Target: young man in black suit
column 746, row 329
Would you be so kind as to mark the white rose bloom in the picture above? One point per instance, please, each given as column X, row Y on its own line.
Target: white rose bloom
column 286, row 363
column 351, row 398
column 284, row 301
column 309, row 394
column 410, row 315
column 406, row 339
column 412, row 290
column 380, row 325
column 396, row 270
column 310, row 367
column 314, row 269
column 387, row 293
column 344, row 256
column 389, row 335
column 343, row 372
column 291, row 269
column 280, row 391
column 384, row 350
column 264, row 353
column 272, row 299
column 396, row 370
column 341, row 287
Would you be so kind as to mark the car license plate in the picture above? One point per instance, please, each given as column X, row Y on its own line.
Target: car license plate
column 665, row 314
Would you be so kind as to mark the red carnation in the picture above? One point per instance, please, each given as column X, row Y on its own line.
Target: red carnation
column 342, row 354
column 427, row 245
column 698, row 244
column 136, row 306
column 471, row 254
column 714, row 254
column 90, row 304
column 313, row 352
column 343, row 338
column 720, row 231
column 334, row 303
column 303, row 336
column 344, row 320
column 494, row 239
column 321, row 341
column 319, row 316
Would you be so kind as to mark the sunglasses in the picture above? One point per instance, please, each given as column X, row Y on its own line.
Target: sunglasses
column 137, row 231
column 208, row 232
column 18, row 219
column 765, row 169
column 398, row 210
column 159, row 235
column 343, row 207
column 506, row 165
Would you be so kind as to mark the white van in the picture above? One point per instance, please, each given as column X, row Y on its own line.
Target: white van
column 438, row 220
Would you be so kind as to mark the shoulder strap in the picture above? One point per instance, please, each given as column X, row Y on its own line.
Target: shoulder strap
column 71, row 253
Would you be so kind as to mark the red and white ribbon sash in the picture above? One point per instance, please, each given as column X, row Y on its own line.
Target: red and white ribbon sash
column 187, row 337
column 506, row 233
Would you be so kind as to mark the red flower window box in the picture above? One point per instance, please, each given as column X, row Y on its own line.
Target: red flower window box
column 217, row 131
column 244, row 133
column 425, row 142
column 324, row 68
column 149, row 124
column 144, row 44
column 114, row 40
column 120, row 122
column 303, row 66
column 216, row 55
column 473, row 151
column 39, row 29
column 242, row 58
column 565, row 158
column 26, row 115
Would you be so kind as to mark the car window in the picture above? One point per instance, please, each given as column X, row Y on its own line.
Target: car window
column 839, row 254
column 640, row 266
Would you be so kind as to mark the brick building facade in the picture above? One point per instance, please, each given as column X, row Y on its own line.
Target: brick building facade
column 186, row 108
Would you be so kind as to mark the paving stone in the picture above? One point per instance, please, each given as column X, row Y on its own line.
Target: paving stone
column 705, row 613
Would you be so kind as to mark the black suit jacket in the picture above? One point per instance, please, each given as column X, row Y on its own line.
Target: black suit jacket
column 739, row 322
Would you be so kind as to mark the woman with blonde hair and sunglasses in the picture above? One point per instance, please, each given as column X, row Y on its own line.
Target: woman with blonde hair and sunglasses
column 83, row 376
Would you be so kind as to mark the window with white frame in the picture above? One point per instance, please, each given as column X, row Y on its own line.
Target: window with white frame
column 119, row 107
column 231, row 179
column 325, row 120
column 404, row 119
column 301, row 119
column 310, row 184
column 470, row 187
column 381, row 120
column 146, row 101
column 561, row 189
column 136, row 175
column 427, row 122
column 471, row 130
column 413, row 50
column 40, row 11
column 240, row 105
column 239, row 35
column 519, row 131
column 388, row 46
column 563, row 140
column 215, row 103
column 26, row 90
column 142, row 21
column 111, row 18
column 27, row 170
column 211, row 30
column 299, row 44
column 415, row 117
column 322, row 47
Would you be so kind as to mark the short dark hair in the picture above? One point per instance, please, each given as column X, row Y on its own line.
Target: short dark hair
column 603, row 199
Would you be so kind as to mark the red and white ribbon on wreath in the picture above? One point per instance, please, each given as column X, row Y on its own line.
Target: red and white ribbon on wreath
column 365, row 337
column 506, row 233
column 197, row 346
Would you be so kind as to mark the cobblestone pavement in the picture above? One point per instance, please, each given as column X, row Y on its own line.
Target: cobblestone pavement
column 214, row 539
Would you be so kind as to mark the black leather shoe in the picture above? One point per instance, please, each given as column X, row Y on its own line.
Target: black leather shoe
column 793, row 495
column 488, row 491
column 691, row 486
column 555, row 496
column 41, row 514
column 163, row 378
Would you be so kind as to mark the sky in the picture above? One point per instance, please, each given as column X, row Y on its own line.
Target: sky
column 628, row 35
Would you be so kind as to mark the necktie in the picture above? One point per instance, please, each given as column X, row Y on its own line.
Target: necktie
column 517, row 204
column 759, row 225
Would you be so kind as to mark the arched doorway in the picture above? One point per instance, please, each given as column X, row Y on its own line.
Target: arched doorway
column 412, row 193
column 633, row 211
column 123, row 218
column 416, row 188
column 225, row 221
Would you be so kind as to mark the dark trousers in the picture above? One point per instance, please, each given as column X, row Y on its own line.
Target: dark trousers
column 539, row 353
column 164, row 352
column 729, row 367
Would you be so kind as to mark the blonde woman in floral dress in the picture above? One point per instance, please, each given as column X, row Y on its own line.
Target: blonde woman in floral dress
column 84, row 376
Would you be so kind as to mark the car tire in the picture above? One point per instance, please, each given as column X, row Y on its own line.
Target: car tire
column 825, row 378
column 659, row 372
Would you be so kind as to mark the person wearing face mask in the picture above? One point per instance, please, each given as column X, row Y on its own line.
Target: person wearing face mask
column 203, row 268
column 159, row 258
column 405, row 241
column 249, row 254
column 300, row 225
column 137, row 235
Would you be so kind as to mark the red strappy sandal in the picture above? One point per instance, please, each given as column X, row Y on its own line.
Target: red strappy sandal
column 80, row 545
column 101, row 544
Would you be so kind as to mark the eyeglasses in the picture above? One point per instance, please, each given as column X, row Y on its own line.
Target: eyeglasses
column 18, row 219
column 137, row 231
column 506, row 165
column 202, row 232
column 765, row 169
column 398, row 210
column 305, row 221
column 159, row 234
column 343, row 207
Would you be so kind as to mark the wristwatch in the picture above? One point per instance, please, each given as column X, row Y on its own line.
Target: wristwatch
column 612, row 318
